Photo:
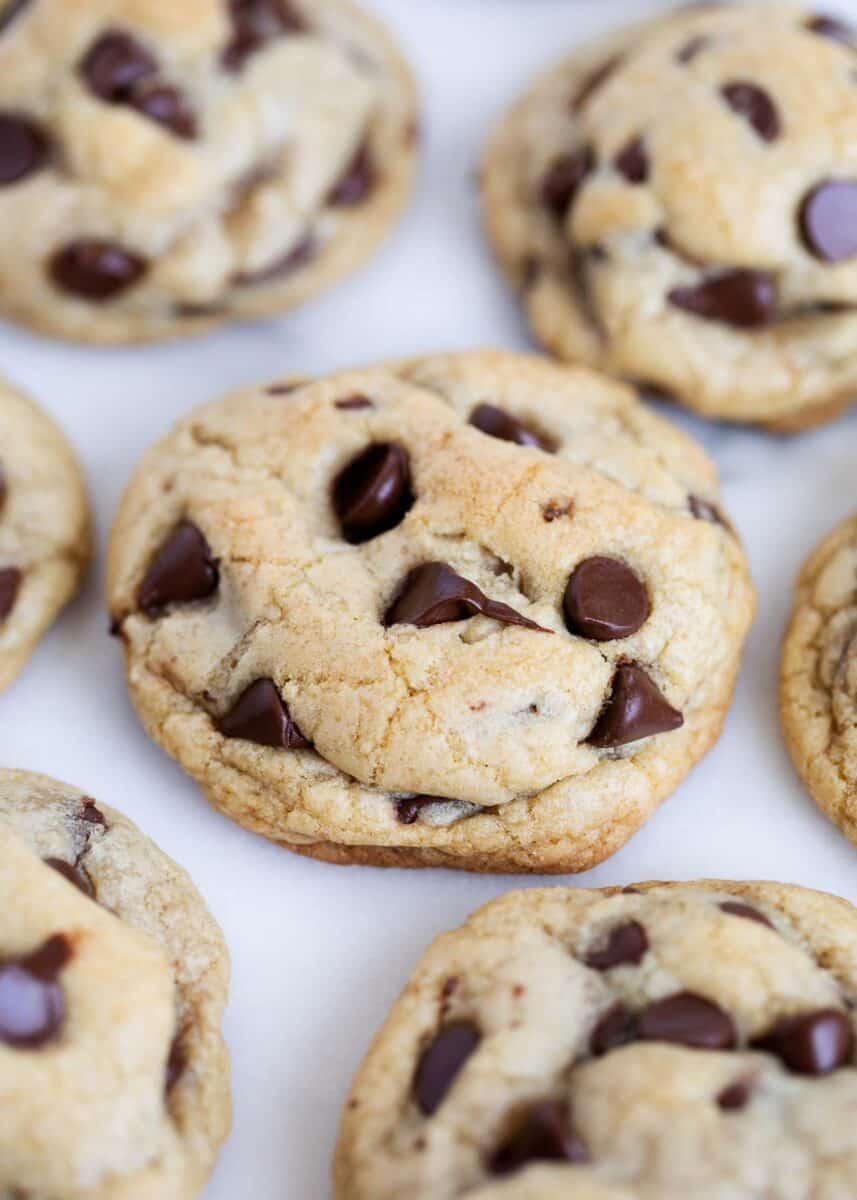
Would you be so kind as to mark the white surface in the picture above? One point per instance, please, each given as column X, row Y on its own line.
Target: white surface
column 320, row 952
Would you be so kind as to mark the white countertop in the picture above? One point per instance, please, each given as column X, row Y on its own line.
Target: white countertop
column 320, row 952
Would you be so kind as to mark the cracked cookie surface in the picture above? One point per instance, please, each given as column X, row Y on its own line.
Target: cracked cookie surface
column 474, row 610
column 678, row 205
column 818, row 686
column 648, row 1043
column 113, row 980
column 44, row 527
column 168, row 167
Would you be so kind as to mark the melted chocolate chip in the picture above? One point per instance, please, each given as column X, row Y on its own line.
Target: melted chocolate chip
column 633, row 161
column 357, row 182
column 10, row 582
column 832, row 27
column 372, row 494
column 23, row 148
column 614, row 1028
column 828, row 220
column 176, row 1063
column 74, row 874
column 301, row 254
column 736, row 909
column 692, row 48
column 544, row 1135
column 686, row 1019
column 636, row 709
column 735, row 1097
column 408, row 808
column 441, row 1062
column 563, row 180
column 815, row 1043
column 181, row 571
column 32, row 1005
column 626, row 945
column 259, row 715
column 605, row 600
column 167, row 106
column 12, row 10
column 434, row 594
column 95, row 270
column 354, row 403
column 594, row 81
column 256, row 22
column 115, row 64
column 755, row 106
column 745, row 299
column 497, row 423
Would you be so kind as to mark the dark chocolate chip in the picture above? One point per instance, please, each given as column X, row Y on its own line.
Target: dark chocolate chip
column 10, row 582
column 554, row 509
column 746, row 299
column 74, row 874
column 544, row 1135
column 605, row 600
column 594, row 81
column 563, row 180
column 633, row 161
column 441, row 1062
column 12, row 10
column 259, row 715
column 497, row 423
column 736, row 909
column 434, row 594
column 692, row 48
column 828, row 220
column 372, row 494
column 754, row 104
column 23, row 148
column 735, row 1097
column 256, row 22
column 176, row 1063
column 614, row 1028
column 181, row 571
column 114, row 64
column 408, row 808
column 814, row 1043
column 636, row 709
column 92, row 814
column 687, row 1019
column 167, row 106
column 354, row 403
column 32, row 1004
column 96, row 270
column 304, row 252
column 357, row 182
column 832, row 27
column 626, row 945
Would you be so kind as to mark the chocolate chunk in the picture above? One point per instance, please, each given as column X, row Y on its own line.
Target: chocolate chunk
column 301, row 254
column 96, row 270
column 114, row 64
column 605, row 600
column 12, row 10
column 544, row 1135
column 357, row 182
column 372, row 494
column 354, row 403
column 687, row 1019
column 746, row 299
column 614, row 1028
column 166, row 106
column 594, row 81
column 633, row 161
column 408, row 808
column 176, row 1063
column 92, row 814
column 74, row 874
column 563, row 180
column 626, row 945
column 755, row 105
column 735, row 1097
column 434, row 594
column 832, row 27
column 704, row 510
column 636, row 709
column 255, row 22
column 10, row 582
column 259, row 715
column 441, row 1062
column 736, row 909
column 828, row 220
column 497, row 423
column 692, row 48
column 23, row 148
column 815, row 1043
column 181, row 571
column 32, row 1004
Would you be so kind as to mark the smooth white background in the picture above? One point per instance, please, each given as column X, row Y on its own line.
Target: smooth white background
column 319, row 952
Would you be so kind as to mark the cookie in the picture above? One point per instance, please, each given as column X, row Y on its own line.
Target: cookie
column 476, row 611
column 113, row 980
column 678, row 205
column 818, row 684
column 165, row 168
column 649, row 1043
column 44, row 527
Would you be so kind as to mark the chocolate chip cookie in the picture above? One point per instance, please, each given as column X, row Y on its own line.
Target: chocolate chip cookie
column 113, row 979
column 678, row 206
column 653, row 1043
column 475, row 610
column 44, row 527
column 818, row 686
column 168, row 167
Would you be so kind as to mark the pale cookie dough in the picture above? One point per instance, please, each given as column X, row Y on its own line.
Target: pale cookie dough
column 44, row 527
column 474, row 610
column 659, row 1042
column 678, row 206
column 818, row 685
column 114, row 1078
column 166, row 167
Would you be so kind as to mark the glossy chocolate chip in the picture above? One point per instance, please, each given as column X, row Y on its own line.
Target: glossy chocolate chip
column 735, row 909
column 259, row 715
column 692, row 49
column 32, row 1004
column 441, row 1062
column 12, row 10
column 614, row 1028
column 498, row 423
column 594, row 81
column 563, row 180
column 745, row 299
column 605, row 600
column 635, row 709
column 633, row 161
column 828, row 220
column 832, row 27
column 626, row 945
column 301, row 254
column 96, row 270
column 176, row 1063
column 545, row 1134
column 181, row 571
column 408, row 808
column 357, row 182
column 256, row 22
column 815, row 1043
column 115, row 64
column 74, row 874
column 167, row 106
column 434, row 594
column 755, row 105
column 23, row 148
column 10, row 583
column 686, row 1019
column 735, row 1097
column 372, row 494
column 354, row 403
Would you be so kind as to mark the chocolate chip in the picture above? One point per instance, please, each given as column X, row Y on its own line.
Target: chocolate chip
column 554, row 509
column 357, row 182
column 755, row 105
column 259, row 715
column 605, row 600
column 354, row 403
column 497, row 423
column 114, row 64
column 96, row 270
column 704, row 510
column 832, row 27
column 626, row 945
column 255, row 22
column 734, row 1097
column 614, row 1028
column 692, row 48
column 735, row 909
column 166, row 106
column 563, row 180
column 23, row 148
column 687, row 1019
column 441, row 1062
column 92, row 814
column 633, row 161
column 176, row 1063
column 12, row 10
column 181, row 571
column 594, row 81
column 408, row 808
column 32, row 1005
column 544, row 1135
column 636, row 709
column 746, row 299
column 828, row 220
column 10, row 582
column 434, row 594
column 301, row 254
column 74, row 874
column 372, row 494
column 815, row 1043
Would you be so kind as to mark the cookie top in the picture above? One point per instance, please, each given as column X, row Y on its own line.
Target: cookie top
column 678, row 205
column 651, row 1043
column 475, row 608
column 113, row 979
column 818, row 687
column 167, row 167
column 44, row 527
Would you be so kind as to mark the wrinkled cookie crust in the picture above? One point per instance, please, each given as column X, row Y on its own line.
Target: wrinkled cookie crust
column 474, row 610
column 113, row 980
column 650, row 1043
column 165, row 168
column 44, row 528
column 818, row 685
column 678, row 206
